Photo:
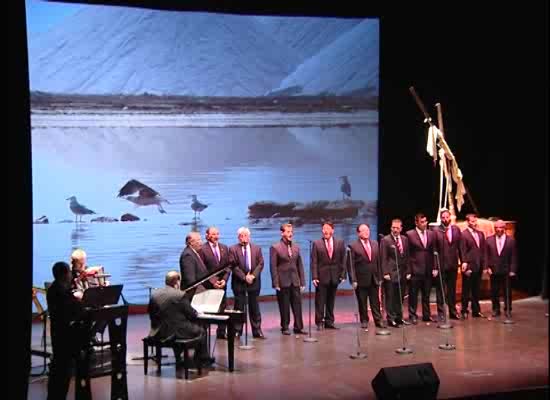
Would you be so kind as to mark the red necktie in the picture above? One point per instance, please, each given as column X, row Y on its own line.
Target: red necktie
column 399, row 245
column 329, row 248
column 476, row 237
column 423, row 238
column 366, row 245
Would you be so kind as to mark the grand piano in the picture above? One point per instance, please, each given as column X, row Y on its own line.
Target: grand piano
column 227, row 316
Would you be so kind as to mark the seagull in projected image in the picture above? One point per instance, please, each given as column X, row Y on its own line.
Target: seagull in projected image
column 78, row 209
column 146, row 196
column 197, row 206
column 345, row 187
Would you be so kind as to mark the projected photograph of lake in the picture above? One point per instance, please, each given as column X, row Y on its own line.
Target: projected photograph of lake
column 233, row 120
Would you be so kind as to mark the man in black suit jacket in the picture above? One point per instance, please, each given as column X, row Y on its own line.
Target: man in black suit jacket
column 392, row 246
column 449, row 239
column 473, row 262
column 287, row 277
column 216, row 255
column 422, row 244
column 365, row 275
column 172, row 316
column 64, row 309
column 501, row 261
column 246, row 279
column 328, row 270
column 192, row 267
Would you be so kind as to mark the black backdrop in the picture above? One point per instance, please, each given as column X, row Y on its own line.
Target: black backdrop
column 487, row 66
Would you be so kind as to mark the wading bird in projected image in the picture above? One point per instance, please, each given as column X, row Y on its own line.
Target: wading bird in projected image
column 345, row 187
column 146, row 196
column 197, row 206
column 78, row 209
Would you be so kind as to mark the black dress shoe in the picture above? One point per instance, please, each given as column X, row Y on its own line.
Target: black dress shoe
column 464, row 315
column 414, row 321
column 319, row 327
column 222, row 336
column 300, row 332
column 259, row 335
column 455, row 316
column 364, row 325
column 393, row 324
column 429, row 319
column 478, row 315
column 330, row 326
column 285, row 332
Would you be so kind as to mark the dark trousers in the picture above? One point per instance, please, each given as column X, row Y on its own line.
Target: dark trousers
column 60, row 374
column 498, row 284
column 393, row 304
column 254, row 315
column 287, row 298
column 471, row 286
column 449, row 282
column 369, row 293
column 422, row 284
column 325, row 296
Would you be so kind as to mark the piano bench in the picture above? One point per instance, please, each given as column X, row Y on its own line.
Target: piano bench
column 176, row 345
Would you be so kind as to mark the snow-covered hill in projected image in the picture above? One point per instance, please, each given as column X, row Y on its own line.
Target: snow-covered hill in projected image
column 114, row 50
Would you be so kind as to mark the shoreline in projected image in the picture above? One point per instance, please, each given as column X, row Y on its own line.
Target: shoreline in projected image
column 223, row 110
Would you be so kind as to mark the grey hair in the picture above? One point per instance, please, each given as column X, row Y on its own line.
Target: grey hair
column 243, row 229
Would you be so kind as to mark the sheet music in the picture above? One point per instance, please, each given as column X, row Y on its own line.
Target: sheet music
column 208, row 301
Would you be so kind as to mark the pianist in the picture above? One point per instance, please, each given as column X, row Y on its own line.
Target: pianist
column 64, row 310
column 172, row 316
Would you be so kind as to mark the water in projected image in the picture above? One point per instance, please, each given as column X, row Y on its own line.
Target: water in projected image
column 290, row 156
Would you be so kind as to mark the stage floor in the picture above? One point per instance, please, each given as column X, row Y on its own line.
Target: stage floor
column 490, row 357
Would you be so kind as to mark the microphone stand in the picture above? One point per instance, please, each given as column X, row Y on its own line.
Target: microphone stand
column 445, row 325
column 246, row 346
column 384, row 330
column 357, row 355
column 404, row 349
column 508, row 300
column 310, row 339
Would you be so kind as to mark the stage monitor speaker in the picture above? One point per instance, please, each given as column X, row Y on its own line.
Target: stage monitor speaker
column 415, row 381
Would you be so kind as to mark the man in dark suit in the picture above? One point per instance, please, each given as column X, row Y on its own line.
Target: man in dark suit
column 328, row 270
column 395, row 246
column 246, row 279
column 64, row 310
column 473, row 262
column 365, row 275
column 192, row 267
column 501, row 261
column 172, row 316
column 422, row 244
column 449, row 239
column 216, row 255
column 287, row 277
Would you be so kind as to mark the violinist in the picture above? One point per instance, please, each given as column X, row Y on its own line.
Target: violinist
column 84, row 277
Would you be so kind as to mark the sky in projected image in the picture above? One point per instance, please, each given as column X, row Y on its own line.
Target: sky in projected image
column 229, row 157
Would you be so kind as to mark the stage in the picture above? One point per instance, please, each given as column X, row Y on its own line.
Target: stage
column 490, row 357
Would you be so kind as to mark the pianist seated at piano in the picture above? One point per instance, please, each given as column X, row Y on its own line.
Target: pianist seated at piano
column 83, row 276
column 172, row 316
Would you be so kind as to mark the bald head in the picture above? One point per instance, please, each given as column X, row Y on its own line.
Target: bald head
column 193, row 240
column 173, row 279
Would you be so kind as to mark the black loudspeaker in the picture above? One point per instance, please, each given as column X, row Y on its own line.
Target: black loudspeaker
column 416, row 381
